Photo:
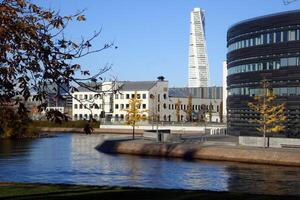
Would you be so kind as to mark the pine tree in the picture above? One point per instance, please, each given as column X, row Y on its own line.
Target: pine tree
column 271, row 115
column 134, row 113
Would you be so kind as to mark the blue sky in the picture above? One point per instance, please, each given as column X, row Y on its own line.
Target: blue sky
column 152, row 35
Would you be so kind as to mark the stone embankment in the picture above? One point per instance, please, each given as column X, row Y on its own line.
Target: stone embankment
column 96, row 130
column 272, row 156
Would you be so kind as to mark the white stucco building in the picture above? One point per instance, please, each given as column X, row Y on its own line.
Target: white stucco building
column 155, row 96
column 198, row 70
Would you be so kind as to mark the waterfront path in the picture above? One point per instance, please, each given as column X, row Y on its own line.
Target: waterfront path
column 207, row 150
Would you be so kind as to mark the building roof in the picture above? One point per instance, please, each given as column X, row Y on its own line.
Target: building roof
column 197, row 92
column 136, row 85
column 125, row 86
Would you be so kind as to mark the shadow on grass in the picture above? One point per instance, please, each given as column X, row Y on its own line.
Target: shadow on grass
column 110, row 193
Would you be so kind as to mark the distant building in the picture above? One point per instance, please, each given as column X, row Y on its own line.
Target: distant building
column 266, row 47
column 156, row 97
column 198, row 70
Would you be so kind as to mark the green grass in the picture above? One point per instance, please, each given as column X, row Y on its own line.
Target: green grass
column 48, row 191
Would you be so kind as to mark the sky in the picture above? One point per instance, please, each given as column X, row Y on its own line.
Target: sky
column 152, row 36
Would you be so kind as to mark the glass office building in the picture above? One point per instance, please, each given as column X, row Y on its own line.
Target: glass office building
column 264, row 47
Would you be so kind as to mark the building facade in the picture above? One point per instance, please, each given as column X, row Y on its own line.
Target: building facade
column 264, row 47
column 198, row 71
column 160, row 101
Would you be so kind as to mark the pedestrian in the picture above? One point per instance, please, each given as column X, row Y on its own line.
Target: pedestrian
column 88, row 129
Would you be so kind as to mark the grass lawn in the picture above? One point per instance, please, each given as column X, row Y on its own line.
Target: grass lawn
column 48, row 191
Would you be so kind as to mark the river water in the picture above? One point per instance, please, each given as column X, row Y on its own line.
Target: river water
column 73, row 159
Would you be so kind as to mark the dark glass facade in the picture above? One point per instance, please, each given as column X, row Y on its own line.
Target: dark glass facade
column 267, row 46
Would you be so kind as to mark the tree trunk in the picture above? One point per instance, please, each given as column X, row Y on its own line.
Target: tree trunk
column 133, row 129
column 264, row 136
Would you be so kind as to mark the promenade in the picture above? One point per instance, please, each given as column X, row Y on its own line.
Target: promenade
column 206, row 150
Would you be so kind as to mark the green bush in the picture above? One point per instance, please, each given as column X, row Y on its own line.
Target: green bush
column 65, row 124
column 15, row 125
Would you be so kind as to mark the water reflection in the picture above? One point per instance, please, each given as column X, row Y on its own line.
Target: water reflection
column 71, row 158
column 264, row 179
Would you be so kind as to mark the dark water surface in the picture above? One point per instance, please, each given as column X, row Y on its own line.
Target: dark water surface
column 72, row 159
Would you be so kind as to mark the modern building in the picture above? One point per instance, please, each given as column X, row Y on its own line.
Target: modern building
column 264, row 47
column 198, row 71
column 161, row 102
column 224, row 102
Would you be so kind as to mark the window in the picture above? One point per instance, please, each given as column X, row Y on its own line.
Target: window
column 80, row 106
column 127, row 105
column 122, row 106
column 116, row 96
column 144, row 96
column 116, row 106
column 85, row 96
column 132, row 96
column 91, row 105
column 283, row 62
column 292, row 61
column 165, row 106
column 158, row 108
column 90, row 96
column 80, row 96
column 158, row 98
column 165, row 96
column 121, row 96
column 75, row 116
column 127, row 96
column 138, row 96
column 76, row 96
column 75, row 106
column 144, row 106
column 278, row 37
column 80, row 116
column 292, row 35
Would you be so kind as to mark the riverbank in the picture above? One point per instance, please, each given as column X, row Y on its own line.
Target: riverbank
column 202, row 150
column 57, row 191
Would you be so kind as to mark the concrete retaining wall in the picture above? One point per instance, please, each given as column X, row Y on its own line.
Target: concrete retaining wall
column 273, row 142
column 197, row 151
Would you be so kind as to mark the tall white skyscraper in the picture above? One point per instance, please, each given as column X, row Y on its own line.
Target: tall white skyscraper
column 198, row 60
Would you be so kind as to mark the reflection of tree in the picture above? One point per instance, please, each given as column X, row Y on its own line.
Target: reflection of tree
column 263, row 179
column 11, row 148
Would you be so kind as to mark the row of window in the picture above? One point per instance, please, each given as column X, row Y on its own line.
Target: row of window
column 268, row 65
column 88, row 96
column 117, row 96
column 91, row 106
column 123, row 106
column 284, row 91
column 267, row 38
column 130, row 96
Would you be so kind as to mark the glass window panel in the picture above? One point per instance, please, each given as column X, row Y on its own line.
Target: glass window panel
column 265, row 40
column 292, row 35
column 292, row 91
column 283, row 91
column 278, row 37
column 285, row 36
column 283, row 62
column 298, row 91
column 292, row 61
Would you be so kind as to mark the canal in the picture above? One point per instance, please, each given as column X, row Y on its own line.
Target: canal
column 73, row 159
